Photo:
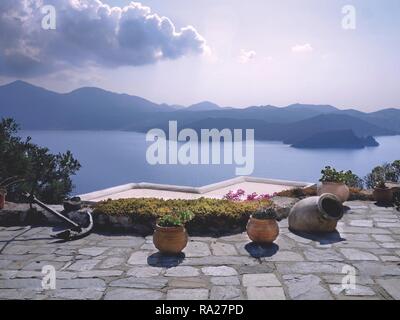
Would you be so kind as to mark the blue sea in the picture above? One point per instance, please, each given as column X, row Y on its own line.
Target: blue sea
column 111, row 158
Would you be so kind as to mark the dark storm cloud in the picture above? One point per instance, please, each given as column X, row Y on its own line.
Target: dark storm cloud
column 87, row 32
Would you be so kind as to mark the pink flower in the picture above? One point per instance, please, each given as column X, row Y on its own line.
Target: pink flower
column 264, row 197
column 239, row 194
column 229, row 195
column 252, row 197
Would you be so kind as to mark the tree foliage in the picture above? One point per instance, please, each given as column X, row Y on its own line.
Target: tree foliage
column 388, row 172
column 46, row 175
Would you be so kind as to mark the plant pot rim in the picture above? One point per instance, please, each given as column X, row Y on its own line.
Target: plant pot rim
column 263, row 220
column 170, row 229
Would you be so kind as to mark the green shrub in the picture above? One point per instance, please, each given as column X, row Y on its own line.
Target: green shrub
column 388, row 172
column 210, row 216
column 299, row 193
column 355, row 194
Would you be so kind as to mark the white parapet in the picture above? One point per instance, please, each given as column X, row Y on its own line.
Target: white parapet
column 216, row 190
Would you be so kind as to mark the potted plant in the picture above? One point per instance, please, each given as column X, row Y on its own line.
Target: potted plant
column 170, row 236
column 383, row 194
column 262, row 226
column 334, row 182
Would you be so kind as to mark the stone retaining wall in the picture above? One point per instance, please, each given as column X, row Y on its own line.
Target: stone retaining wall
column 21, row 215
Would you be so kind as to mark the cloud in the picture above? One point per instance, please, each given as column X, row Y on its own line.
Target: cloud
column 247, row 56
column 88, row 33
column 304, row 48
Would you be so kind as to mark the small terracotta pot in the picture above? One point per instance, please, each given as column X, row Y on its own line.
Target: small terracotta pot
column 171, row 240
column 383, row 195
column 262, row 231
column 3, row 194
column 340, row 190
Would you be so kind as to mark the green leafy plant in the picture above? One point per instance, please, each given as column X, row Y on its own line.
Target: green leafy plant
column 265, row 213
column 330, row 174
column 176, row 219
column 352, row 180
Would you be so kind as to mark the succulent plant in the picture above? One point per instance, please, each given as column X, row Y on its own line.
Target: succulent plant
column 176, row 219
column 265, row 213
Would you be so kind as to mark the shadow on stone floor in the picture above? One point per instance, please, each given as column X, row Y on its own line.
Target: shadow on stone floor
column 346, row 209
column 165, row 261
column 261, row 251
column 14, row 239
column 322, row 238
column 384, row 205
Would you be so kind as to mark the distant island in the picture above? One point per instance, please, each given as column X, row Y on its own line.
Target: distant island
column 298, row 125
column 345, row 139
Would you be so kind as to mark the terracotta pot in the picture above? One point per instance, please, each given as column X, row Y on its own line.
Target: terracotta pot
column 383, row 195
column 340, row 190
column 3, row 194
column 316, row 214
column 262, row 231
column 170, row 240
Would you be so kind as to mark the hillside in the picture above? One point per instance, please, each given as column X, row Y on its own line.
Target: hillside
column 344, row 139
column 290, row 133
column 204, row 106
column 332, row 122
column 88, row 108
column 85, row 108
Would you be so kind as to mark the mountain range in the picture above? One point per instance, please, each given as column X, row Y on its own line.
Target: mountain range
column 36, row 108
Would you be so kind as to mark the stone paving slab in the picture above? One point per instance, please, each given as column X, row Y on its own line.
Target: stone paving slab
column 127, row 267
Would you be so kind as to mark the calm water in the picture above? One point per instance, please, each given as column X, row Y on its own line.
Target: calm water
column 113, row 158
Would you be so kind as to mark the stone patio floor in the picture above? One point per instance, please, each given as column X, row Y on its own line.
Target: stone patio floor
column 127, row 267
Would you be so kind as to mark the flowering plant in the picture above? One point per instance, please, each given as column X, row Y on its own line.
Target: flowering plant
column 240, row 195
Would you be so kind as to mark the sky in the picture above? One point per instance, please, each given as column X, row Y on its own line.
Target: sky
column 232, row 52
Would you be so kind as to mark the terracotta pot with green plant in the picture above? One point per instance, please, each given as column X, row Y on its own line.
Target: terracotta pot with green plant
column 383, row 194
column 170, row 236
column 334, row 182
column 262, row 226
